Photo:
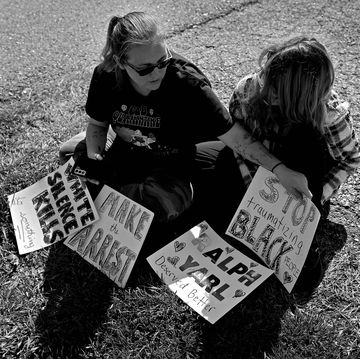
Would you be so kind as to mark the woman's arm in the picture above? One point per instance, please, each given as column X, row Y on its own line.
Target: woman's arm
column 96, row 134
column 343, row 146
column 240, row 141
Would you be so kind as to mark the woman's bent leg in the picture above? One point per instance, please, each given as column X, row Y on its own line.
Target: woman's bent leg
column 218, row 185
column 77, row 145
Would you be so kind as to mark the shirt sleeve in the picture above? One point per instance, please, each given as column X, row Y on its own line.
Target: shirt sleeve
column 98, row 95
column 218, row 120
column 342, row 143
column 193, row 97
column 238, row 114
column 237, row 106
column 210, row 118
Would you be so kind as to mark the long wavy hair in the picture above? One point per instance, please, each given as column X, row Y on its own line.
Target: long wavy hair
column 295, row 79
column 135, row 28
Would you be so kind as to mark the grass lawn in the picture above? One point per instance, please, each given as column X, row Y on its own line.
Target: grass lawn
column 53, row 304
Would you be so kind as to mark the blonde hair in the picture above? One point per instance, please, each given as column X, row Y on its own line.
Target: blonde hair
column 135, row 28
column 299, row 75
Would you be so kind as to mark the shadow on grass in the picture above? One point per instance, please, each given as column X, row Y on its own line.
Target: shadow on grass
column 78, row 297
column 252, row 328
column 331, row 237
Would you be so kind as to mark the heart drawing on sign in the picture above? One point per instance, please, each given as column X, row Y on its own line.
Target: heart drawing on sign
column 287, row 278
column 179, row 246
column 228, row 250
column 253, row 264
column 239, row 293
column 203, row 227
column 173, row 260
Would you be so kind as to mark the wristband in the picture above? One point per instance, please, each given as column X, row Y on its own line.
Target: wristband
column 278, row 164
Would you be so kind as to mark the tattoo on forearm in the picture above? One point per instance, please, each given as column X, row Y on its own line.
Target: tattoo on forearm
column 257, row 154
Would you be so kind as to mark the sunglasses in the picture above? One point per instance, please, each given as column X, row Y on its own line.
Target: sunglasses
column 148, row 70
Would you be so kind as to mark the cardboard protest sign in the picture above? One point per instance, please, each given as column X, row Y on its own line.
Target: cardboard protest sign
column 276, row 226
column 50, row 210
column 206, row 272
column 113, row 243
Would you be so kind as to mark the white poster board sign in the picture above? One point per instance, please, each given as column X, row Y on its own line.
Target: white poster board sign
column 206, row 272
column 276, row 226
column 50, row 210
column 113, row 243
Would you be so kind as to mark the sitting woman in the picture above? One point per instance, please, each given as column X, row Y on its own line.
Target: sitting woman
column 147, row 108
column 290, row 106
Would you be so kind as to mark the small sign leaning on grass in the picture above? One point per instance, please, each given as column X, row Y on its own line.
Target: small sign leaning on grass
column 276, row 226
column 113, row 243
column 206, row 272
column 50, row 210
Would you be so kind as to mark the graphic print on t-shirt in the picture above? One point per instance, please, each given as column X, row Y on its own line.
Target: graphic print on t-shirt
column 136, row 124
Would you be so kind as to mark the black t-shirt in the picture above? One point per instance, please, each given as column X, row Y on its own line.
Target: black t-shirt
column 182, row 112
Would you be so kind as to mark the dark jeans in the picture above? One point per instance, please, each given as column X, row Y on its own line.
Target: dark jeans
column 160, row 181
column 128, row 162
column 218, row 185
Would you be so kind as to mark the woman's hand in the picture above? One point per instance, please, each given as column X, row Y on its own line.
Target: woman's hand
column 293, row 181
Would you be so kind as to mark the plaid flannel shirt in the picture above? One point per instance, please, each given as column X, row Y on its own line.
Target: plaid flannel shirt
column 339, row 133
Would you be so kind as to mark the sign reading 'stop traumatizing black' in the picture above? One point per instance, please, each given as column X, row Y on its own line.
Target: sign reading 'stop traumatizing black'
column 275, row 225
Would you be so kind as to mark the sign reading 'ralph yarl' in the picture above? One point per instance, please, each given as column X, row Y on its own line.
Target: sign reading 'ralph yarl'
column 206, row 272
column 278, row 227
column 113, row 243
column 50, row 210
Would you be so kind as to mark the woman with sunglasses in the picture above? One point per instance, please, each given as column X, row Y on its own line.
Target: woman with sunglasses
column 147, row 108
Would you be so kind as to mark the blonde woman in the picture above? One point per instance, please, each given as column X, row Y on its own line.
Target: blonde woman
column 289, row 105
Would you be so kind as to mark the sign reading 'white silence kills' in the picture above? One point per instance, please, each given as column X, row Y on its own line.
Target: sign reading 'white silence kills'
column 50, row 210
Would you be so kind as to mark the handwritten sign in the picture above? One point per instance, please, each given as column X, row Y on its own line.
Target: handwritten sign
column 50, row 210
column 276, row 226
column 113, row 243
column 206, row 272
